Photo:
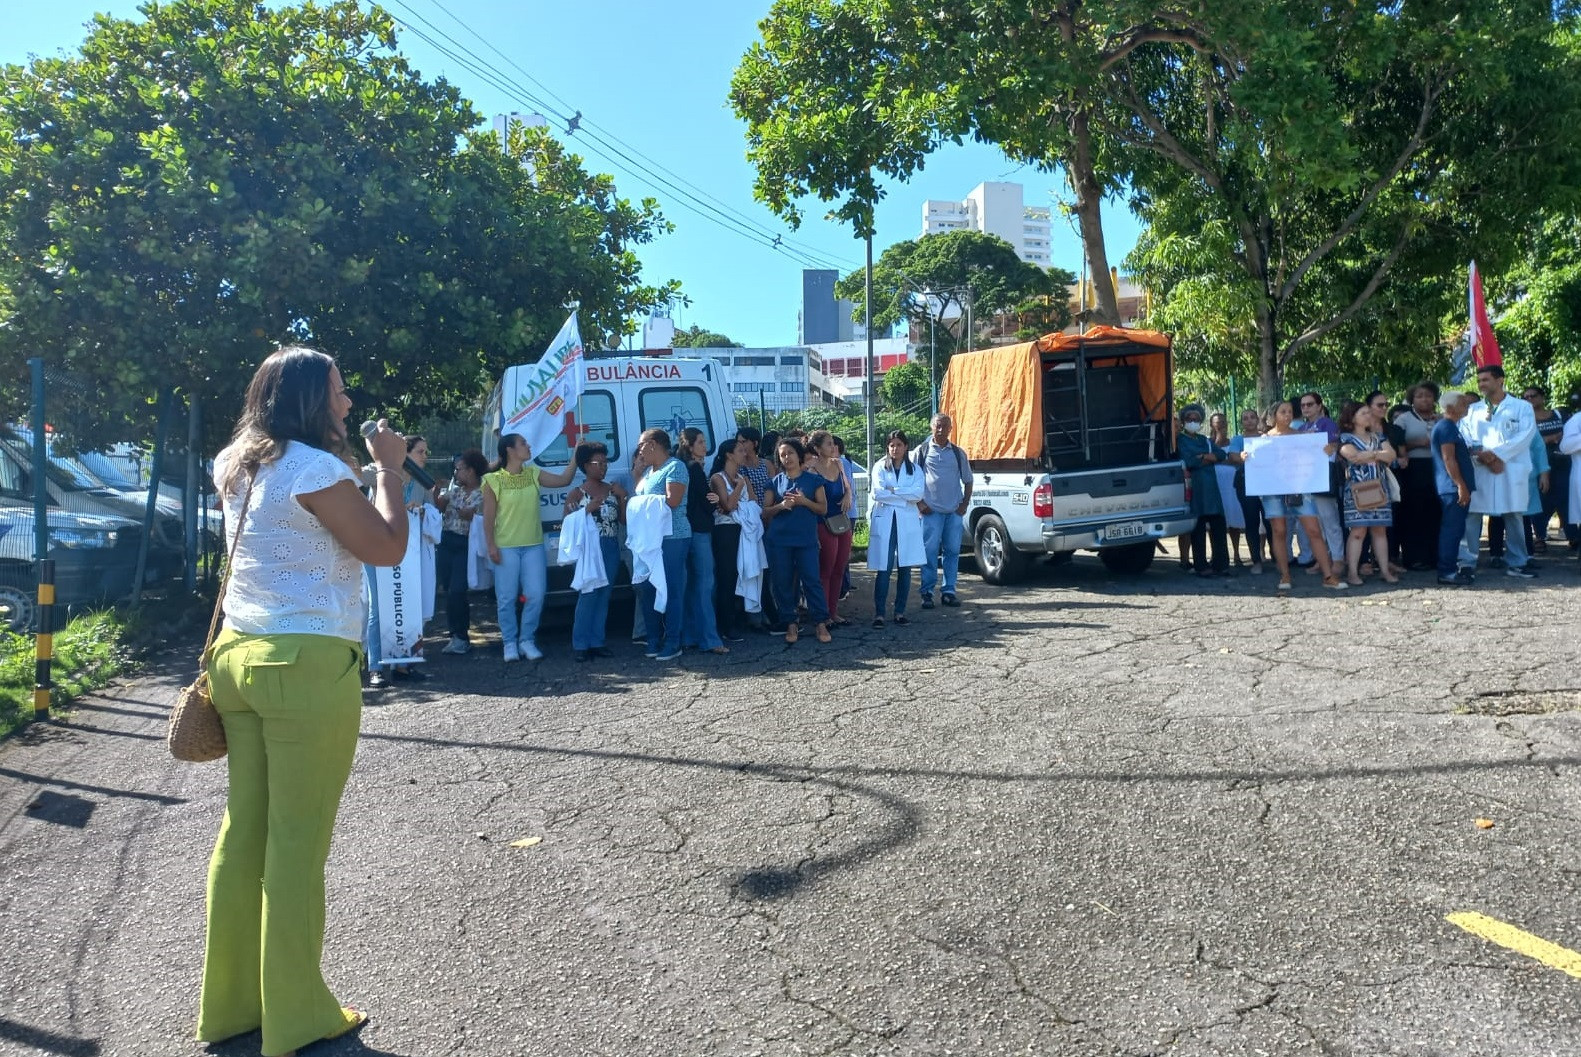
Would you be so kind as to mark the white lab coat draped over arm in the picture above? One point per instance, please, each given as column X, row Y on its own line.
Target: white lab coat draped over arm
column 579, row 544
column 1570, row 444
column 892, row 515
column 751, row 560
column 648, row 521
column 480, row 571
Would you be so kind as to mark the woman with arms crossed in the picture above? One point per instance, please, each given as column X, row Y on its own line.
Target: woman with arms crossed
column 284, row 674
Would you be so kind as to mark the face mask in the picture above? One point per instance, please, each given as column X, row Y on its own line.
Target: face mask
column 1193, row 427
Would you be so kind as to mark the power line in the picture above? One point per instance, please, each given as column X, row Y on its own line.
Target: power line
column 599, row 143
column 588, row 124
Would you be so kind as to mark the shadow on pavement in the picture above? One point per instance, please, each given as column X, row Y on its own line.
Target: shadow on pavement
column 48, row 1041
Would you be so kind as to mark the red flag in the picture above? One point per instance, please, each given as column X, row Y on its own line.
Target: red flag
column 1484, row 346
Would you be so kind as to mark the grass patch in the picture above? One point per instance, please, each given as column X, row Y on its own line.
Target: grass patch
column 88, row 655
column 859, row 535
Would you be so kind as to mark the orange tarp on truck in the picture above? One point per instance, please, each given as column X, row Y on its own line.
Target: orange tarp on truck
column 994, row 397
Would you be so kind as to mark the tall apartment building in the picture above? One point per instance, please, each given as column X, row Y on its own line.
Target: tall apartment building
column 996, row 209
column 825, row 317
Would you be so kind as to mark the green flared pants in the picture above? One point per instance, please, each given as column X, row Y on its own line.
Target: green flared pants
column 291, row 705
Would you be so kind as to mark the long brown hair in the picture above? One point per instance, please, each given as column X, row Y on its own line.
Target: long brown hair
column 288, row 399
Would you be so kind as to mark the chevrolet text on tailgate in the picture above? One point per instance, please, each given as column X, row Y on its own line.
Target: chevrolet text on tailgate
column 1069, row 438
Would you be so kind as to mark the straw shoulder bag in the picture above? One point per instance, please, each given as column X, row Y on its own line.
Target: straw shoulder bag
column 196, row 734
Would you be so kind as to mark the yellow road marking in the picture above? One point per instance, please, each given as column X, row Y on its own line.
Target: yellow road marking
column 1550, row 954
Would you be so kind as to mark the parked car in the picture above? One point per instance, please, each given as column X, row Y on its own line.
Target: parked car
column 95, row 560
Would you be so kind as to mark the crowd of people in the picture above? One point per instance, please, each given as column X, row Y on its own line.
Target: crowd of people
column 753, row 536
column 1409, row 486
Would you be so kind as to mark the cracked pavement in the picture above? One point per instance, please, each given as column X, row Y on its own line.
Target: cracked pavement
column 1088, row 815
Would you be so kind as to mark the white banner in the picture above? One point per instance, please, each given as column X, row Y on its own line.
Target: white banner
column 535, row 399
column 398, row 592
column 1287, row 465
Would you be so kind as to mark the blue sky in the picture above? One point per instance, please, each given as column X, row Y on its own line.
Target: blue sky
column 654, row 80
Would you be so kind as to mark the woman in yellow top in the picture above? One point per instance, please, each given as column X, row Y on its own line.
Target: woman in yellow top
column 513, row 531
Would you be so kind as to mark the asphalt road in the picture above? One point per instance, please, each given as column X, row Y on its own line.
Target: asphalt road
column 1089, row 815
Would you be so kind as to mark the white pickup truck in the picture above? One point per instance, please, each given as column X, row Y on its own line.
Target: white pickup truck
column 1071, row 446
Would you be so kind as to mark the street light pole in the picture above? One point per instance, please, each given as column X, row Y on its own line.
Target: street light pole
column 867, row 321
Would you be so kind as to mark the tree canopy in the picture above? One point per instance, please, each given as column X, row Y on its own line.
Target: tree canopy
column 197, row 186
column 1314, row 178
column 934, row 277
column 695, row 337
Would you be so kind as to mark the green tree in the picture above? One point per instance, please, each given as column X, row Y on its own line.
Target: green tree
column 931, row 279
column 1538, row 306
column 1314, row 184
column 695, row 337
column 907, row 388
column 197, row 186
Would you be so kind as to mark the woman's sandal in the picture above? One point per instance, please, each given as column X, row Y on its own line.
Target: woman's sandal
column 823, row 634
column 791, row 632
column 354, row 1020
column 720, row 649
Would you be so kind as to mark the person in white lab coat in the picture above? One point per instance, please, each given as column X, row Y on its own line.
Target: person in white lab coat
column 894, row 526
column 1499, row 429
column 1570, row 444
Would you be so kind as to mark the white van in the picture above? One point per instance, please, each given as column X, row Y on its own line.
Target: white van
column 622, row 397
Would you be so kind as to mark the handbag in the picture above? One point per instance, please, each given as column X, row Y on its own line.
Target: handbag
column 1369, row 495
column 196, row 734
column 838, row 524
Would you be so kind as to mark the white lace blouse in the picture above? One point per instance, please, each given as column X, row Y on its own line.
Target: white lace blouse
column 290, row 576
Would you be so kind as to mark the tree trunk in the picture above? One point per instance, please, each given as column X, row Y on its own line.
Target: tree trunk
column 1270, row 378
column 1089, row 197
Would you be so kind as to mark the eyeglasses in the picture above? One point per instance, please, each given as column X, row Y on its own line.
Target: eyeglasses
column 1309, row 403
column 1530, row 396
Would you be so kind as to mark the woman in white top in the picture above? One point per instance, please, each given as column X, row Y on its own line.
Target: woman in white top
column 285, row 682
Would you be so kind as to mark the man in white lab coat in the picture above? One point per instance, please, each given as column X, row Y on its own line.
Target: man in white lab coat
column 1499, row 429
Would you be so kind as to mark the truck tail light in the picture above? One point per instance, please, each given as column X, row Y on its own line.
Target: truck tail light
column 1186, row 474
column 1043, row 500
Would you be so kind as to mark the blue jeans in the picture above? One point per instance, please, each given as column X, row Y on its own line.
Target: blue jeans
column 941, row 530
column 701, row 623
column 664, row 629
column 451, row 560
column 371, row 645
column 902, row 581
column 592, row 607
column 1515, row 556
column 1451, row 529
column 789, row 563
column 521, row 572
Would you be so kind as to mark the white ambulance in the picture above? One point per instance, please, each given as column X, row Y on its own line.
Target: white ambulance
column 622, row 396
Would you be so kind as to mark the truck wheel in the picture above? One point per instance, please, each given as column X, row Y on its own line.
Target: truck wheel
column 1129, row 560
column 998, row 561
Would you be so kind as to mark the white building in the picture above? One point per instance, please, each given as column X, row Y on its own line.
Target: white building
column 838, row 369
column 995, row 209
column 773, row 379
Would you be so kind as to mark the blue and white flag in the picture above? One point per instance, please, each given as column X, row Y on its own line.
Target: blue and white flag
column 536, row 399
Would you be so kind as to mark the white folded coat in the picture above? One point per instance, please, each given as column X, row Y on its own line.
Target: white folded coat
column 579, row 544
column 648, row 522
column 751, row 560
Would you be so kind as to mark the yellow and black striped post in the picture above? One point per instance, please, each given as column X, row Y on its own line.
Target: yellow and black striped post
column 44, row 642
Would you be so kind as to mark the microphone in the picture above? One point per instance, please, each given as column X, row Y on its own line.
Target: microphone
column 414, row 471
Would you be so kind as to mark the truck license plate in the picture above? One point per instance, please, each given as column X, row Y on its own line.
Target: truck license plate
column 1126, row 530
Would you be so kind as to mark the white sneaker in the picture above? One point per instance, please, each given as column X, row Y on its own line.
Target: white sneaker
column 531, row 651
column 457, row 647
column 510, row 652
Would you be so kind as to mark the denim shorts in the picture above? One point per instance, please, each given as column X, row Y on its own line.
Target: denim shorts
column 1301, row 505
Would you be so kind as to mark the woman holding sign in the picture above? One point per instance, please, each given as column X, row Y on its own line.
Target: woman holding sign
column 1278, row 508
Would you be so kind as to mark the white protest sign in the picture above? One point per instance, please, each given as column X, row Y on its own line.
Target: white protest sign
column 1286, row 465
